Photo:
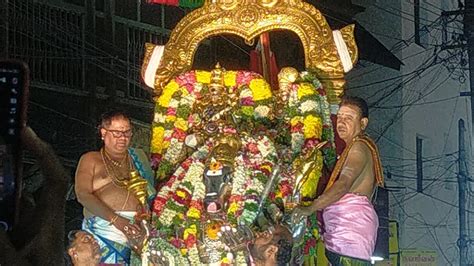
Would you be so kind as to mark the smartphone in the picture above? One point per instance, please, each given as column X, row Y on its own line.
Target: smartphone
column 14, row 84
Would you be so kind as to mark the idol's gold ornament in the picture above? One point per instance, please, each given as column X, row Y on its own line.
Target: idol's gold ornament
column 248, row 19
column 215, row 106
column 226, row 149
column 286, row 78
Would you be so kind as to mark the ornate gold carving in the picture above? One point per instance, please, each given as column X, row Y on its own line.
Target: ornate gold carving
column 349, row 38
column 248, row 19
column 226, row 149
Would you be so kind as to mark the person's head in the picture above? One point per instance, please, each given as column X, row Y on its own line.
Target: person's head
column 83, row 248
column 352, row 117
column 116, row 131
column 271, row 249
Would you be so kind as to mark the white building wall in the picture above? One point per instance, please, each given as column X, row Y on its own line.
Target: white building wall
column 425, row 102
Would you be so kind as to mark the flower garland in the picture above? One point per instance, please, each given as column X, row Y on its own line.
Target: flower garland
column 179, row 203
column 178, row 206
column 173, row 111
column 252, row 170
column 174, row 258
column 308, row 113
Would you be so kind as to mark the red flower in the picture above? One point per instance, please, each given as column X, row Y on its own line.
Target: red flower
column 196, row 204
column 178, row 243
column 158, row 205
column 310, row 243
column 285, row 188
column 252, row 147
column 321, row 91
column 187, row 78
column 235, row 198
column 271, row 195
column 186, row 163
column 190, row 241
column 171, row 111
column 297, row 128
column 179, row 134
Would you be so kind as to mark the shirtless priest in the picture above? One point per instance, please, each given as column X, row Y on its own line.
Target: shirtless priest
column 101, row 187
column 349, row 217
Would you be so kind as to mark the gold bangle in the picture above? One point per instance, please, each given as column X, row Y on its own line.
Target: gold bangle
column 112, row 221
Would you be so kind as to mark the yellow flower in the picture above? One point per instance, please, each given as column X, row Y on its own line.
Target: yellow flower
column 233, row 208
column 247, row 110
column 181, row 194
column 268, row 167
column 316, row 233
column 229, row 78
column 165, row 145
column 305, row 89
column 157, row 139
column 260, row 89
column 181, row 216
column 181, row 124
column 191, row 230
column 312, row 127
column 168, row 92
column 212, row 229
column 225, row 260
column 295, row 120
column 279, row 194
column 184, row 251
column 215, row 166
column 170, row 118
column 194, row 213
column 184, row 91
column 203, row 76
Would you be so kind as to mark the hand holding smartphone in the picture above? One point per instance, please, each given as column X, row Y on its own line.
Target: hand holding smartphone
column 14, row 83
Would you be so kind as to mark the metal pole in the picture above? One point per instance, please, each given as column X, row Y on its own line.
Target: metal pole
column 462, row 187
column 469, row 35
column 419, row 164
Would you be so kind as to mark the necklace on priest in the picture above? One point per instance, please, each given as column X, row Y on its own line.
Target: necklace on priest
column 116, row 170
column 115, row 162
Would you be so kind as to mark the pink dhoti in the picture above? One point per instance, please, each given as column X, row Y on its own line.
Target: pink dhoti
column 351, row 227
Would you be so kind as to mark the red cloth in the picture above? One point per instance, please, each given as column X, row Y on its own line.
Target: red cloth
column 164, row 2
column 273, row 72
column 255, row 62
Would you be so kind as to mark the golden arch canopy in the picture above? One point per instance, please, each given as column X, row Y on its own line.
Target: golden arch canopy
column 248, row 19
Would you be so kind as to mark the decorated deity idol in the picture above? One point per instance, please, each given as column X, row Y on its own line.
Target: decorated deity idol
column 216, row 141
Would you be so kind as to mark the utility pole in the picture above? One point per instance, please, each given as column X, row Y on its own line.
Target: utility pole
column 462, row 187
column 469, row 35
column 461, row 40
column 419, row 164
